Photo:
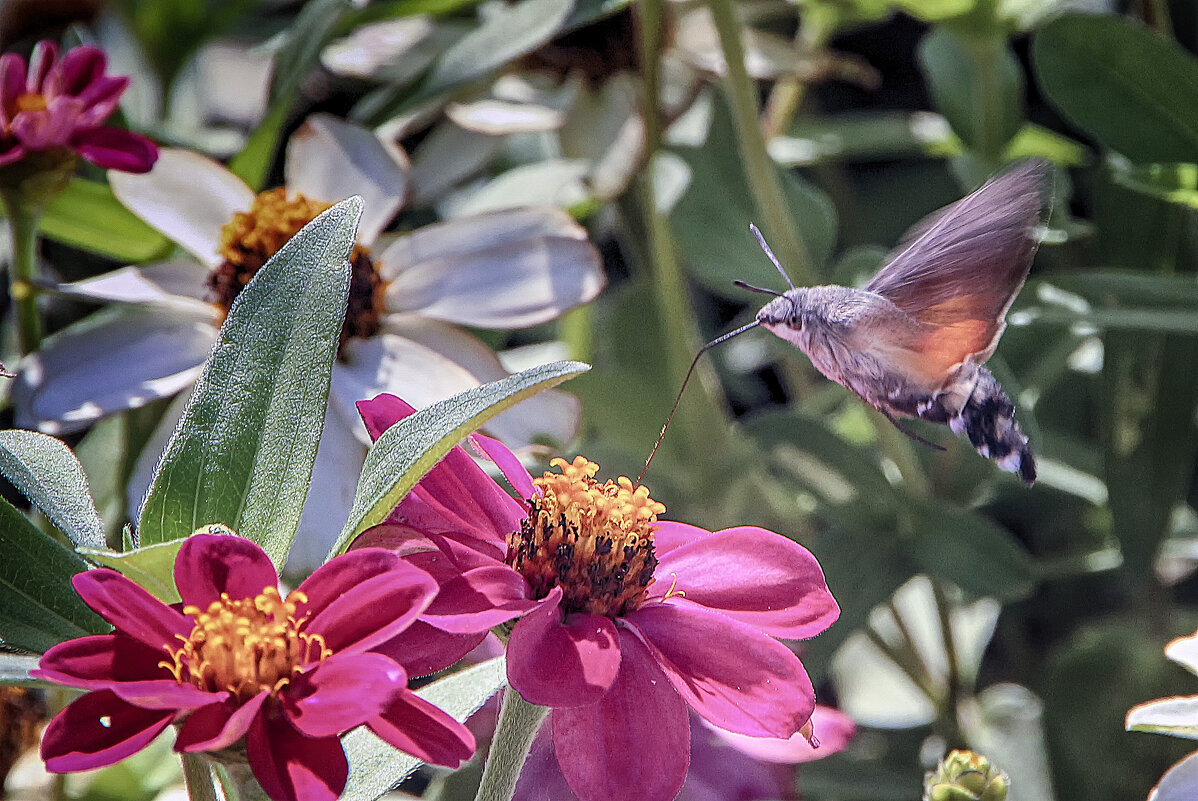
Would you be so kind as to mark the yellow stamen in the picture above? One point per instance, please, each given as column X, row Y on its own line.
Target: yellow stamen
column 31, row 101
column 670, row 593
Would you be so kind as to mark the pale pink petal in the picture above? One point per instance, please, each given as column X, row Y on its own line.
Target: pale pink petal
column 730, row 673
column 99, row 729
column 556, row 663
column 329, row 160
column 211, row 565
column 292, row 767
column 633, row 743
column 118, row 358
column 509, row 269
column 754, row 576
column 423, row 730
column 186, row 196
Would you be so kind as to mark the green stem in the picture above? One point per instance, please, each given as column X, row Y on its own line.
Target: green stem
column 948, row 712
column 764, row 180
column 987, row 51
column 896, row 445
column 519, row 722
column 22, row 220
column 787, row 94
column 906, row 660
column 246, row 785
column 198, row 777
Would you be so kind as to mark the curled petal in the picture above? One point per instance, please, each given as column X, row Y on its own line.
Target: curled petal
column 754, row 576
column 133, row 611
column 99, row 729
column 210, row 565
column 115, row 149
column 379, row 606
column 556, row 663
column 830, row 732
column 731, row 674
column 219, row 725
column 292, row 767
column 515, row 472
column 479, row 599
column 344, row 691
column 423, row 730
column 79, row 68
column 633, row 743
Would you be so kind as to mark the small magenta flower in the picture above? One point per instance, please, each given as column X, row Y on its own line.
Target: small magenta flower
column 245, row 673
column 624, row 621
column 62, row 104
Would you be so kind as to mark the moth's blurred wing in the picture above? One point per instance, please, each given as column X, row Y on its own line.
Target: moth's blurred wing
column 959, row 274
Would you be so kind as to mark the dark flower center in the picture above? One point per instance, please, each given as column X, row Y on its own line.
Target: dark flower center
column 593, row 540
column 246, row 646
column 249, row 240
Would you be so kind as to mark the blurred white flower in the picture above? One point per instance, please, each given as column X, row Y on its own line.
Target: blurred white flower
column 510, row 269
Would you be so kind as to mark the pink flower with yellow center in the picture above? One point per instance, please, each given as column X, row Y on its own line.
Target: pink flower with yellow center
column 623, row 620
column 54, row 104
column 247, row 674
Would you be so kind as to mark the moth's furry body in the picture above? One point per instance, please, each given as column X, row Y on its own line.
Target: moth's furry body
column 913, row 342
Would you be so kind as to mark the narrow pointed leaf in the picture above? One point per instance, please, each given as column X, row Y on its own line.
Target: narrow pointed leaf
column 48, row 474
column 14, row 668
column 375, row 767
column 88, row 216
column 411, row 447
column 243, row 452
column 38, row 606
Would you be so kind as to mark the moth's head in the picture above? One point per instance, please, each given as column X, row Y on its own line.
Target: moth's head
column 788, row 310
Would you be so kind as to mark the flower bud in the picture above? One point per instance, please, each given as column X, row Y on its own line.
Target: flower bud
column 965, row 776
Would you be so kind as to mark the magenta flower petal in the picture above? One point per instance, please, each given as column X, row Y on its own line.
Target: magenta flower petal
column 383, row 411
column 219, row 725
column 558, row 664
column 633, row 743
column 670, row 535
column 292, row 767
column 479, row 599
column 344, row 691
column 165, row 694
column 376, row 609
column 209, row 565
column 99, row 729
column 115, row 149
column 12, row 85
column 515, row 472
column 41, row 61
column 754, row 576
column 730, row 673
column 100, row 99
column 423, row 730
column 131, row 609
column 830, row 727
column 79, row 69
column 422, row 649
column 99, row 661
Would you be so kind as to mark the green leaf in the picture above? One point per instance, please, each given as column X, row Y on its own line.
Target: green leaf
column 243, row 452
column 14, row 668
column 38, row 606
column 935, row 10
column 298, row 55
column 375, row 767
column 969, row 550
column 48, row 474
column 1175, row 716
column 153, row 567
column 710, row 220
column 1175, row 183
column 1133, row 90
column 89, row 217
column 977, row 84
column 411, row 447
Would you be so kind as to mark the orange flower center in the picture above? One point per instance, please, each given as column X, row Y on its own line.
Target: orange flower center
column 31, row 101
column 249, row 240
column 593, row 540
column 246, row 646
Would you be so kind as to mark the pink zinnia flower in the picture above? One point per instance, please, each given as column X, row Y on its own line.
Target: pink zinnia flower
column 247, row 673
column 624, row 621
column 56, row 104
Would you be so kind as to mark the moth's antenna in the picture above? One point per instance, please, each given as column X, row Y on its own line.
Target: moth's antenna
column 765, row 246
column 682, row 389
column 761, row 290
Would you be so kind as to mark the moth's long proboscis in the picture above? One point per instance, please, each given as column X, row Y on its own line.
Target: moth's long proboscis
column 694, row 362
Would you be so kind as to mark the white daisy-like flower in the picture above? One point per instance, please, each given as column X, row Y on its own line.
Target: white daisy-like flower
column 509, row 269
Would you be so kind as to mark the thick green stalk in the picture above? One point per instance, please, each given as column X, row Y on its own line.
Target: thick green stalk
column 198, row 777
column 519, row 722
column 22, row 220
column 763, row 176
column 788, row 92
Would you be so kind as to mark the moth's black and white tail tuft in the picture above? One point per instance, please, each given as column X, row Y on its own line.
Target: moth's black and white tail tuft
column 988, row 421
